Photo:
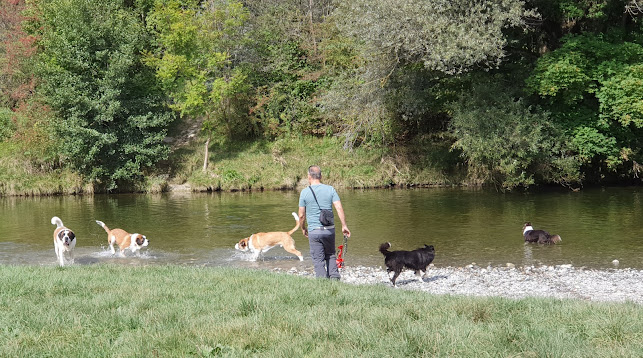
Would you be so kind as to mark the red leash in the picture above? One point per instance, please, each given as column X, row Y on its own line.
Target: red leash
column 341, row 253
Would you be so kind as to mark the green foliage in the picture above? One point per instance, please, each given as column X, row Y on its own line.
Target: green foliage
column 109, row 114
column 507, row 142
column 287, row 80
column 448, row 36
column 192, row 59
column 590, row 143
column 621, row 97
column 7, row 127
column 592, row 84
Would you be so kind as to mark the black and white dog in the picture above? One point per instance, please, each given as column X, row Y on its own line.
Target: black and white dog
column 64, row 241
column 539, row 236
column 416, row 260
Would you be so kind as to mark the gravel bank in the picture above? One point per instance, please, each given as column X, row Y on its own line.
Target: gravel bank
column 563, row 281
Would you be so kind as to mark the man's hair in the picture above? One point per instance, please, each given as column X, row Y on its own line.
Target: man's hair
column 315, row 172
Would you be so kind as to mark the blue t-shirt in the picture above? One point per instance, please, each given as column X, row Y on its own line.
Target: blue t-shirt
column 326, row 196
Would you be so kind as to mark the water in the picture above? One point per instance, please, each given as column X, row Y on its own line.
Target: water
column 465, row 226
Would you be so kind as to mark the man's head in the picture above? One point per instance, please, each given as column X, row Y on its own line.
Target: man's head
column 314, row 172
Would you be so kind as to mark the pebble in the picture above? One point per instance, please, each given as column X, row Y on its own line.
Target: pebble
column 561, row 281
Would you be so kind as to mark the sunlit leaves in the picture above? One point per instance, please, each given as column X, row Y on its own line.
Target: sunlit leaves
column 599, row 74
column 621, row 97
column 444, row 35
column 192, row 55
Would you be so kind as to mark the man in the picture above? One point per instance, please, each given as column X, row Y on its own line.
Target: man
column 321, row 238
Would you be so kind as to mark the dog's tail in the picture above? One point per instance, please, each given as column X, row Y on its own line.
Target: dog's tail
column 56, row 221
column 384, row 248
column 296, row 226
column 103, row 225
column 556, row 239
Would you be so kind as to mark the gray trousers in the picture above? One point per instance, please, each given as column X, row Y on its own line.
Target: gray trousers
column 322, row 251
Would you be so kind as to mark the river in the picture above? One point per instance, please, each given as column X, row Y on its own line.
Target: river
column 465, row 226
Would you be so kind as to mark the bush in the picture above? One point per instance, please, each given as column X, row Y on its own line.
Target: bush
column 508, row 143
column 7, row 127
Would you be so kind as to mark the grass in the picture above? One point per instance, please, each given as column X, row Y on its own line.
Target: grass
column 21, row 176
column 283, row 163
column 171, row 311
column 254, row 165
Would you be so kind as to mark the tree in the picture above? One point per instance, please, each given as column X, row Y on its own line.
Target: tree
column 111, row 122
column 17, row 81
column 592, row 86
column 444, row 35
column 433, row 39
column 509, row 143
column 192, row 59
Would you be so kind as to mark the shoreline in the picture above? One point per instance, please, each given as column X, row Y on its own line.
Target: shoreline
column 559, row 282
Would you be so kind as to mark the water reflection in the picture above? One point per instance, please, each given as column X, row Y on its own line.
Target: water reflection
column 597, row 226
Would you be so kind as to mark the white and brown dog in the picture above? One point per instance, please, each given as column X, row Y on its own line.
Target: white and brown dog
column 263, row 241
column 135, row 242
column 64, row 241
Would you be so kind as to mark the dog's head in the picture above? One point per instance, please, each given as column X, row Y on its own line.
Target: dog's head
column 66, row 237
column 242, row 245
column 429, row 248
column 526, row 224
column 140, row 240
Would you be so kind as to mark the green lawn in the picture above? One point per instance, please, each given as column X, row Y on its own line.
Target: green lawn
column 171, row 311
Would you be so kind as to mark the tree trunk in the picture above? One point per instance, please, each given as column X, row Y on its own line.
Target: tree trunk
column 312, row 28
column 205, row 157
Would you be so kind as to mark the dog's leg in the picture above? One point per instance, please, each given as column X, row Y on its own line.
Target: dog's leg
column 294, row 251
column 60, row 254
column 255, row 255
column 71, row 255
column 397, row 273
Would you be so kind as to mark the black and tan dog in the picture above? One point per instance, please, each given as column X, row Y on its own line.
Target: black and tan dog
column 64, row 241
column 416, row 260
column 539, row 236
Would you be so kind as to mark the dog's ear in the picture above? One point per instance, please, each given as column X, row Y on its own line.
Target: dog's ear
column 140, row 239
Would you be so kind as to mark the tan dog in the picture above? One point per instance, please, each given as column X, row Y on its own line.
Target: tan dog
column 64, row 241
column 124, row 240
column 263, row 241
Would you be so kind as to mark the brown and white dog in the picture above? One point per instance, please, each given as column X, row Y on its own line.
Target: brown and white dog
column 263, row 241
column 135, row 242
column 64, row 241
column 539, row 236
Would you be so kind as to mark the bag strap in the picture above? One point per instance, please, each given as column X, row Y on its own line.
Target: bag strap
column 314, row 196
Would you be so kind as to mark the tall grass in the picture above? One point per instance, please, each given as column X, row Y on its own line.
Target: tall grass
column 19, row 175
column 170, row 311
column 254, row 165
column 282, row 164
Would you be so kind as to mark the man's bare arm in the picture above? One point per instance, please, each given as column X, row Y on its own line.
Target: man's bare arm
column 342, row 217
column 302, row 220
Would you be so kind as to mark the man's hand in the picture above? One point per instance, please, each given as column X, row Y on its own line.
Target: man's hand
column 305, row 232
column 345, row 231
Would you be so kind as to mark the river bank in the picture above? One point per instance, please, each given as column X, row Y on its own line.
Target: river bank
column 561, row 281
column 250, row 166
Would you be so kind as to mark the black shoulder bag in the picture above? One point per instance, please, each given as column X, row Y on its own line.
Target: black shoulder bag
column 326, row 217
